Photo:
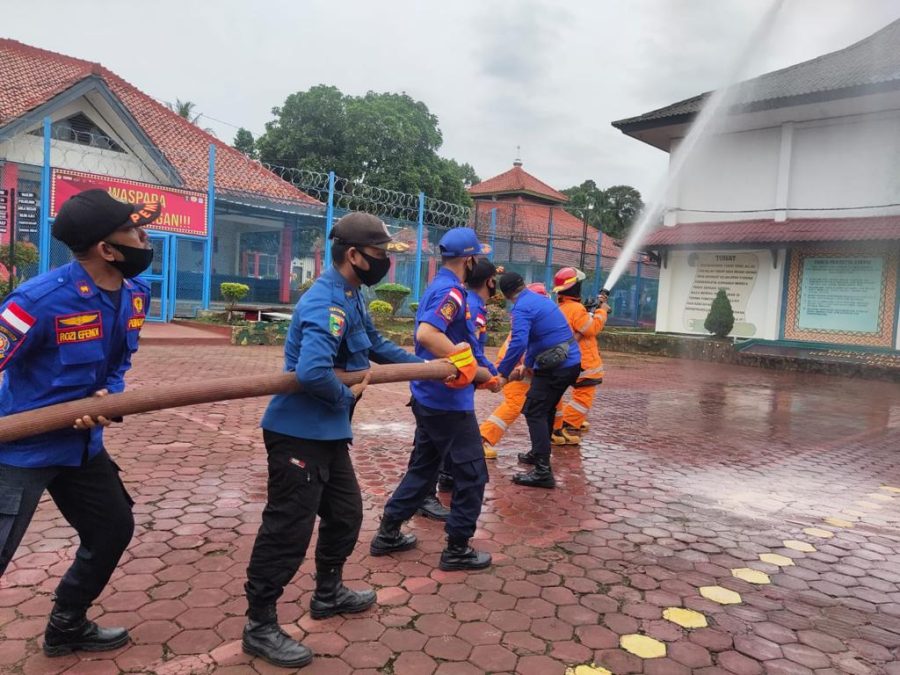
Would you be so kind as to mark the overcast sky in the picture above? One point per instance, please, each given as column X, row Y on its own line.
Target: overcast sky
column 546, row 76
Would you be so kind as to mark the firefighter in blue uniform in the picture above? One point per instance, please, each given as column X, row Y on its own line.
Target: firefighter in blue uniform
column 539, row 330
column 65, row 335
column 445, row 416
column 480, row 286
column 307, row 437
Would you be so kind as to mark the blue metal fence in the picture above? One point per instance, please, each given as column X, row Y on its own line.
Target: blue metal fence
column 277, row 246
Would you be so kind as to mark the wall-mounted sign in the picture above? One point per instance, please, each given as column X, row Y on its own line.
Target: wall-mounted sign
column 736, row 273
column 27, row 212
column 183, row 211
column 841, row 296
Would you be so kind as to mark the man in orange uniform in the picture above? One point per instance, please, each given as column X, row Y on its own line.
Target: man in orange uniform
column 571, row 417
column 514, row 393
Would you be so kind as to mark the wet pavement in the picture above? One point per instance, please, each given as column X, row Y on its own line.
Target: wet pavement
column 767, row 504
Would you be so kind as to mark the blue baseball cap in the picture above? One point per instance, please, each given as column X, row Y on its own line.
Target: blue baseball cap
column 461, row 242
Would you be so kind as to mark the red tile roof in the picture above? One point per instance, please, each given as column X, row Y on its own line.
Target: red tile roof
column 527, row 224
column 30, row 77
column 770, row 232
column 516, row 180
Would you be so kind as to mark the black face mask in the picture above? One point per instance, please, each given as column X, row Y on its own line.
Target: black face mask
column 469, row 271
column 136, row 259
column 378, row 268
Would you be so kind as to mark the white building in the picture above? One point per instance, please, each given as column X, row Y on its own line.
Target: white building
column 793, row 206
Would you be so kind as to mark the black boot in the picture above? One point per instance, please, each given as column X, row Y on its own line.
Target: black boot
column 69, row 629
column 460, row 556
column 332, row 597
column 263, row 637
column 432, row 508
column 445, row 482
column 540, row 476
column 527, row 457
column 390, row 539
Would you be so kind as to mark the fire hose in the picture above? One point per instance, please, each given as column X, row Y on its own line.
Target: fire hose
column 146, row 399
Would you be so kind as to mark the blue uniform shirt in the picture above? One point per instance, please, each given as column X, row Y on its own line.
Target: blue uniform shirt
column 443, row 305
column 537, row 325
column 61, row 339
column 476, row 315
column 330, row 328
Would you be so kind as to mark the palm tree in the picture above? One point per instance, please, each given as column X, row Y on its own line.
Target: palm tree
column 185, row 109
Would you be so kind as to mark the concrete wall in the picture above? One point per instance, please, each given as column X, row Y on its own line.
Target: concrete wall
column 781, row 171
column 677, row 278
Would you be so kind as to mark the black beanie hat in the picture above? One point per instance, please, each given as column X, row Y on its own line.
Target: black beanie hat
column 92, row 215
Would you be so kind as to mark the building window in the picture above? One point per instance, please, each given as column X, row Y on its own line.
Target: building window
column 80, row 129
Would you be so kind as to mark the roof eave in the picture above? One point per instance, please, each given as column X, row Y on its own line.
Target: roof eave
column 637, row 124
column 89, row 84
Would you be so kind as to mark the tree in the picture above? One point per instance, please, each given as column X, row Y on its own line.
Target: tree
column 25, row 255
column 384, row 140
column 612, row 210
column 185, row 109
column 233, row 292
column 623, row 204
column 244, row 142
column 720, row 319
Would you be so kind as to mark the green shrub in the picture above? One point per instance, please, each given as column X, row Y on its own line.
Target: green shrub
column 305, row 286
column 380, row 308
column 393, row 294
column 720, row 319
column 497, row 318
column 232, row 293
column 414, row 307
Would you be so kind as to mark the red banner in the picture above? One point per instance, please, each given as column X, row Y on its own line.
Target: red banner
column 183, row 212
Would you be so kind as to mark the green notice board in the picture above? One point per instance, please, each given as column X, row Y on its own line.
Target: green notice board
column 841, row 294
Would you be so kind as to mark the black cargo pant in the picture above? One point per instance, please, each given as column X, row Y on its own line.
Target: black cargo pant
column 92, row 499
column 306, row 478
column 444, row 436
column 547, row 388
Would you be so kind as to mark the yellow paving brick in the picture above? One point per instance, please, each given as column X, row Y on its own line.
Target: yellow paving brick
column 587, row 669
column 891, row 488
column 868, row 505
column 880, row 496
column 643, row 645
column 838, row 522
column 818, row 532
column 686, row 618
column 751, row 576
column 799, row 546
column 775, row 559
column 721, row 595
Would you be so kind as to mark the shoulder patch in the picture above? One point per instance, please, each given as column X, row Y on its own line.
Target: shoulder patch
column 336, row 322
column 451, row 304
column 138, row 311
column 15, row 323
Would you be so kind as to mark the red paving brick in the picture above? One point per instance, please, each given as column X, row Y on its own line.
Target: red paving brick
column 690, row 470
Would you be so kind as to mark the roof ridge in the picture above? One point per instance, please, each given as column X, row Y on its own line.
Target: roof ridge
column 23, row 47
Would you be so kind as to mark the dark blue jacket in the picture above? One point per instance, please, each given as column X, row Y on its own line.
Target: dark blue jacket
column 537, row 325
column 62, row 339
column 476, row 315
column 330, row 328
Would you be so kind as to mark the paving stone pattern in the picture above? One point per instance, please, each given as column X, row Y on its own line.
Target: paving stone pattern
column 690, row 471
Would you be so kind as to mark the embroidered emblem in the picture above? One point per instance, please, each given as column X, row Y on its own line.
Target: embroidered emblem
column 336, row 324
column 84, row 288
column 138, row 305
column 78, row 328
column 451, row 304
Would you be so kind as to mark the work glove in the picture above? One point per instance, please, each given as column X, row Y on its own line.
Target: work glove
column 494, row 384
column 464, row 361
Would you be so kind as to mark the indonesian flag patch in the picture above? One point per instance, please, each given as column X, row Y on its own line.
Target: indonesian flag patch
column 451, row 305
column 15, row 323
